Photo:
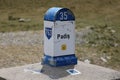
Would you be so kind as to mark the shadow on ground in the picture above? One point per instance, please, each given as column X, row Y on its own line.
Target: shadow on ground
column 56, row 72
column 2, row 78
column 116, row 79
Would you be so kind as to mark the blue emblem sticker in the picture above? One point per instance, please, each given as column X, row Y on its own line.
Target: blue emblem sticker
column 48, row 32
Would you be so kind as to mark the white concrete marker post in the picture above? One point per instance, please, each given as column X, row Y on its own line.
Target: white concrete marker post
column 59, row 37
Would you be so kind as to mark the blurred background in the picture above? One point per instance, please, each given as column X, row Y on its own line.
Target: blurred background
column 97, row 31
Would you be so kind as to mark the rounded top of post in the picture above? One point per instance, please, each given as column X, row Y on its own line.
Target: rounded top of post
column 59, row 14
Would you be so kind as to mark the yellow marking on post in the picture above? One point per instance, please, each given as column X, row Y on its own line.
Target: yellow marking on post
column 63, row 47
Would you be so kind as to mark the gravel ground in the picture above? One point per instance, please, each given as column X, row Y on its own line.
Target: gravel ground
column 21, row 38
column 26, row 47
column 33, row 37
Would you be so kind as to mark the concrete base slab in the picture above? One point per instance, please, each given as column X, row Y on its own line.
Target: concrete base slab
column 44, row 72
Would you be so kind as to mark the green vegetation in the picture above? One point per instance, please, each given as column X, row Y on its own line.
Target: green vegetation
column 87, row 12
column 103, row 15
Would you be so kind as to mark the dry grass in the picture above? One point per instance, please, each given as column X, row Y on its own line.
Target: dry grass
column 87, row 13
column 102, row 42
column 19, row 55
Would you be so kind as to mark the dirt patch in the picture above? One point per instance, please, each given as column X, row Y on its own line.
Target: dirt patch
column 20, row 48
column 19, row 55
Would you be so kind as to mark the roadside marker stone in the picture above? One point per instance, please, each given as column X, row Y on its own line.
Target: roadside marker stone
column 59, row 37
